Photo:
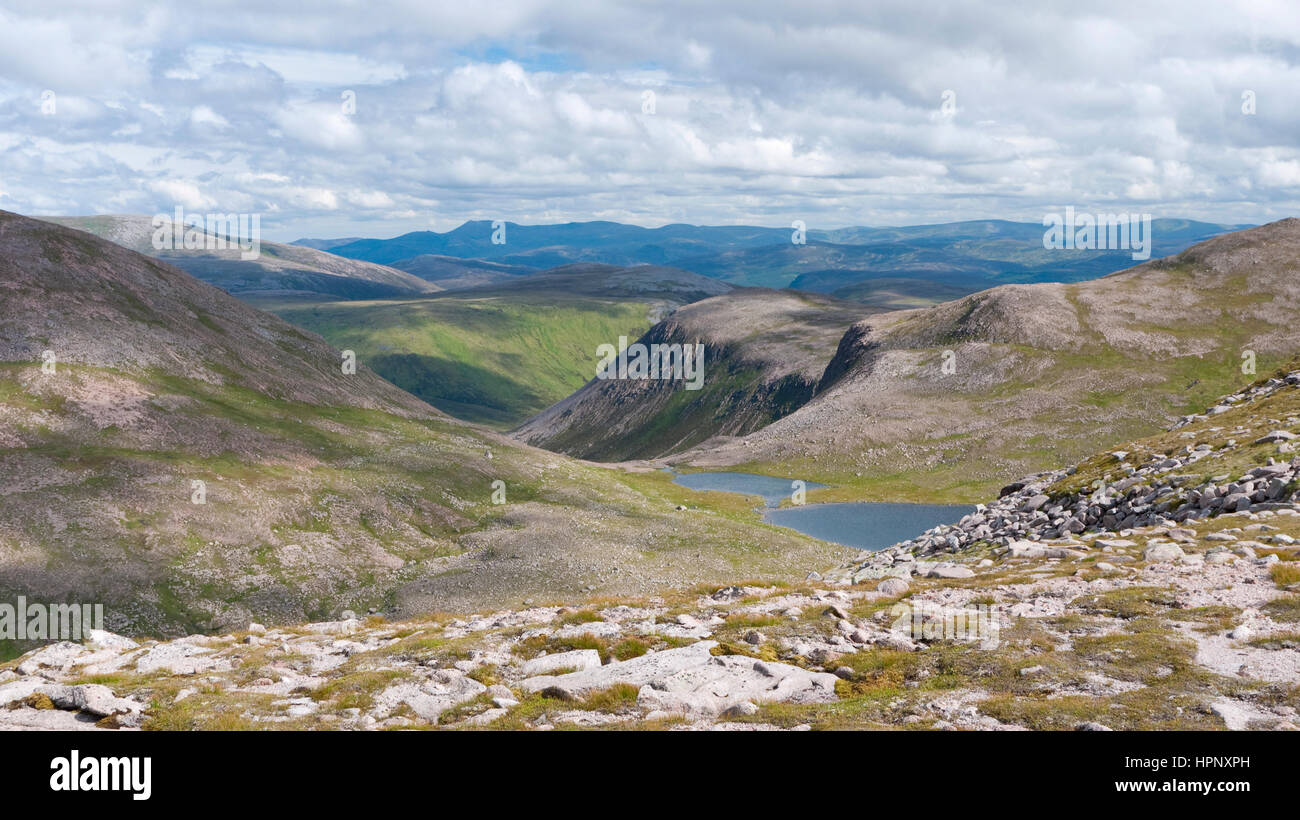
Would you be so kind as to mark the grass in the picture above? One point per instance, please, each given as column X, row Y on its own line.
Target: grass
column 1285, row 574
column 495, row 359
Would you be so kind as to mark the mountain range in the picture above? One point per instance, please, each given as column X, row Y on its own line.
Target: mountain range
column 970, row 255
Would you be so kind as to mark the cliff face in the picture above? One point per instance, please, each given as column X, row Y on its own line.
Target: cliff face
column 764, row 356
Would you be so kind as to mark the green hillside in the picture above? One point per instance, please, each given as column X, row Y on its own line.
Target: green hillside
column 495, row 358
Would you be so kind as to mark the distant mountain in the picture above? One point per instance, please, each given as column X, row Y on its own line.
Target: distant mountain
column 280, row 269
column 454, row 273
column 326, row 244
column 969, row 255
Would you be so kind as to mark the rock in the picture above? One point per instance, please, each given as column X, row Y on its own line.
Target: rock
column 1063, row 552
column 1162, row 552
column 102, row 639
column 56, row 657
column 742, row 709
column 691, row 680
column 943, row 571
column 893, row 587
column 1093, row 726
column 1024, row 549
column 92, row 698
column 836, row 611
column 1034, row 503
column 813, row 576
column 1236, row 502
column 178, row 659
column 19, row 689
column 575, row 661
column 560, row 692
column 428, row 700
column 1115, row 543
column 1275, row 436
column 1105, row 567
column 1033, row 670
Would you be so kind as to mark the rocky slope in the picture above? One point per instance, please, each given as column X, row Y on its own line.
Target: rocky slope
column 193, row 463
column 1174, row 604
column 280, row 269
column 945, row 402
column 764, row 355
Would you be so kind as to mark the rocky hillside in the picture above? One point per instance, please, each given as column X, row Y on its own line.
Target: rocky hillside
column 193, row 463
column 1156, row 587
column 280, row 269
column 764, row 355
column 1036, row 375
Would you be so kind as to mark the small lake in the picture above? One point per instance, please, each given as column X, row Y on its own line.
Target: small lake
column 772, row 489
column 867, row 525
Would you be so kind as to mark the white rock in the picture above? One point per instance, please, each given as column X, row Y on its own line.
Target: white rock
column 1162, row 552
column 577, row 660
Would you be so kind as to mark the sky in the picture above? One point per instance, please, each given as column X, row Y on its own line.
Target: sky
column 336, row 119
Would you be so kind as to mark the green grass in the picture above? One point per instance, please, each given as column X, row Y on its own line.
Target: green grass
column 493, row 359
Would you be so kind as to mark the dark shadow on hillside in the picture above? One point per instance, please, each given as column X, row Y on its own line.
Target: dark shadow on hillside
column 463, row 390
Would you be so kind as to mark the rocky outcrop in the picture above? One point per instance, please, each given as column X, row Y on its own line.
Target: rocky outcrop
column 1160, row 492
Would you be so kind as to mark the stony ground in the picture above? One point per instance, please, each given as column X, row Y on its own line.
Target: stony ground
column 1109, row 632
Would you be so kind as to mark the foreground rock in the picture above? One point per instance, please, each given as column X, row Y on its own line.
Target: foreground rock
column 692, row 681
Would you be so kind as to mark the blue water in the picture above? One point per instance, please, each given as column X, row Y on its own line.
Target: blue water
column 867, row 525
column 770, row 488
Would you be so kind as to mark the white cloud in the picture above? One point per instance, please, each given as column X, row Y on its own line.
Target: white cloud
column 533, row 109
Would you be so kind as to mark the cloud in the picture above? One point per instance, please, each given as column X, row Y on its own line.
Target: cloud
column 763, row 111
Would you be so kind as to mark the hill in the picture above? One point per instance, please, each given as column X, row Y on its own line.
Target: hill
column 1151, row 588
column 1039, row 374
column 286, row 270
column 454, row 273
column 498, row 354
column 320, row 489
column 764, row 355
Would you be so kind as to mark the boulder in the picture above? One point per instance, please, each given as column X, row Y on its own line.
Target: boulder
column 892, row 587
column 1162, row 552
